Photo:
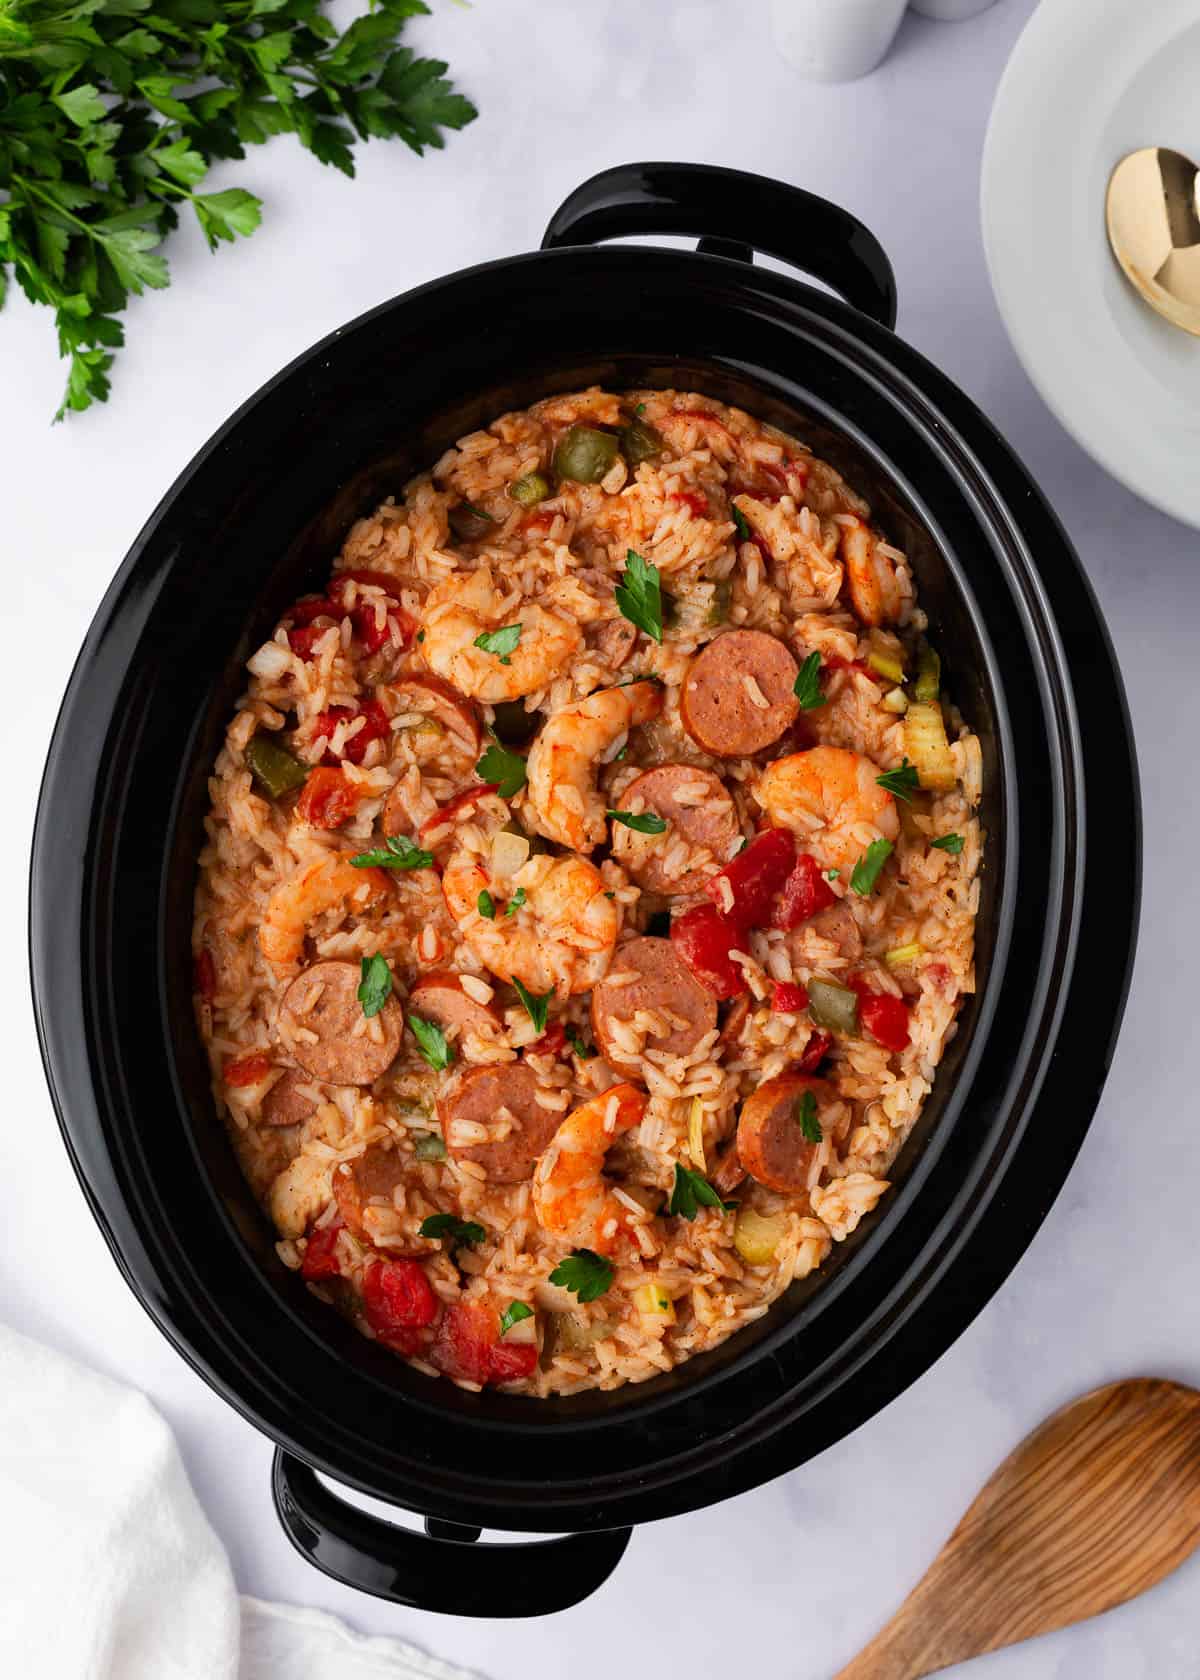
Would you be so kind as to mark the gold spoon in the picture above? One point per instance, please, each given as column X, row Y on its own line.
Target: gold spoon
column 1153, row 214
column 1093, row 1508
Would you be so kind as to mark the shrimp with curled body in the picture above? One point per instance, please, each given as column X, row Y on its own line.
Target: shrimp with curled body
column 561, row 931
column 831, row 800
column 469, row 605
column 879, row 591
column 329, row 883
column 571, row 1197
column 564, row 801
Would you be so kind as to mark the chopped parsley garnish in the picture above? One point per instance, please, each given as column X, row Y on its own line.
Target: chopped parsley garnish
column 375, row 987
column 503, row 643
column 640, row 409
column 866, row 871
column 431, row 1042
column 397, row 852
column 506, row 770
column 742, row 523
column 691, row 1192
column 646, row 823
column 833, row 874
column 807, row 688
column 515, row 902
column 948, row 843
column 900, row 783
column 639, row 595
column 585, row 1052
column 486, row 906
column 806, row 1114
column 420, row 635
column 535, row 1007
column 513, row 1313
column 586, row 1275
column 459, row 1232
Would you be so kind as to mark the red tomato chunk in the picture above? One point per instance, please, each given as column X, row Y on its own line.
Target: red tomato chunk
column 803, row 893
column 327, row 799
column 247, row 1070
column 204, row 974
column 695, row 502
column 469, row 1347
column 372, row 627
column 755, row 876
column 788, row 999
column 399, row 1303
column 320, row 1256
column 815, row 1051
column 376, row 726
column 703, row 937
column 885, row 1017
column 552, row 1042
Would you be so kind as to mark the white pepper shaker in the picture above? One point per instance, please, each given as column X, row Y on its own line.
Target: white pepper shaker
column 950, row 11
column 835, row 40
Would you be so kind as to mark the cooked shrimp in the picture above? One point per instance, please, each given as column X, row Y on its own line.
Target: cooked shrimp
column 467, row 606
column 830, row 799
column 563, row 796
column 561, row 934
column 571, row 1196
column 874, row 582
column 320, row 886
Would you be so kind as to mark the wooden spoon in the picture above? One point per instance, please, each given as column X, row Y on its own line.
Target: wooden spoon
column 1093, row 1508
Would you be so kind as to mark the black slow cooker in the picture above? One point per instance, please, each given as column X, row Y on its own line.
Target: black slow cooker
column 254, row 520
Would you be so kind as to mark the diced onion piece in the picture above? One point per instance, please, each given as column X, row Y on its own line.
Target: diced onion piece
column 926, row 745
column 696, row 1135
column 423, row 726
column 895, row 700
column 524, row 1330
column 903, row 955
column 886, row 665
column 653, row 1302
column 756, row 1236
column 510, row 852
column 573, row 1333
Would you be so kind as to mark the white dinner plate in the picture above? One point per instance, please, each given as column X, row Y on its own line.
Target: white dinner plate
column 1089, row 81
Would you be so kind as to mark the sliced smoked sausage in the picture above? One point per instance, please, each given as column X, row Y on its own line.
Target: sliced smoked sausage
column 770, row 1140
column 660, row 983
column 737, row 697
column 322, row 1024
column 440, row 998
column 477, row 1098
column 290, row 1100
column 368, row 1180
column 698, row 812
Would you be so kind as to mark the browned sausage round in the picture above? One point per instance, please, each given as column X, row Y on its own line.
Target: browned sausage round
column 439, row 997
column 441, row 704
column 477, row 1098
column 290, row 1100
column 770, row 1144
column 614, row 642
column 697, row 810
column 369, row 1179
column 728, row 1172
column 737, row 696
column 661, row 983
column 323, row 1026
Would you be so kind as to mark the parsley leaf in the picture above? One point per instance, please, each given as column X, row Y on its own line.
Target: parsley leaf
column 900, row 783
column 833, row 874
column 460, row 1232
column 647, row 823
column 692, row 1191
column 535, row 1007
column 505, row 769
column 585, row 1052
column 639, row 595
column 742, row 523
column 486, row 905
column 431, row 1042
column 503, row 643
column 806, row 1114
column 397, row 852
column 515, row 902
column 807, row 688
column 952, row 843
column 375, row 987
column 513, row 1313
column 586, row 1275
column 866, row 871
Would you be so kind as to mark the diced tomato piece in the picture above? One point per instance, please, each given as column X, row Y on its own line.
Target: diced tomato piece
column 380, row 580
column 788, row 999
column 376, row 726
column 453, row 808
column 704, row 938
column 552, row 1042
column 803, row 893
column 320, row 1257
column 695, row 502
column 302, row 641
column 327, row 799
column 204, row 974
column 399, row 1303
column 469, row 1347
column 885, row 1017
column 512, row 1360
column 371, row 628
column 247, row 1070
column 755, row 876
column 815, row 1051
column 315, row 606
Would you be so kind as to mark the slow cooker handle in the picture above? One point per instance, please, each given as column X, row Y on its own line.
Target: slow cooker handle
column 443, row 1569
column 729, row 211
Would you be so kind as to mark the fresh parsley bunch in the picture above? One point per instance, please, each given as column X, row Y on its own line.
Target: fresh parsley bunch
column 113, row 111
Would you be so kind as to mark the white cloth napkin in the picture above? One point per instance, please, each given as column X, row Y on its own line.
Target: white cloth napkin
column 109, row 1568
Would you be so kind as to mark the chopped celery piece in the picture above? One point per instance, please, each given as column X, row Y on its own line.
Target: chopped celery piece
column 926, row 745
column 886, row 665
column 756, row 1236
column 929, row 674
column 903, row 955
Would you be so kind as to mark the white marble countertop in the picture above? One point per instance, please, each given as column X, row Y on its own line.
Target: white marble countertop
column 792, row 1578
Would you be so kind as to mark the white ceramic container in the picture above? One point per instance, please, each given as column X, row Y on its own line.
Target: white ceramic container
column 950, row 10
column 835, row 40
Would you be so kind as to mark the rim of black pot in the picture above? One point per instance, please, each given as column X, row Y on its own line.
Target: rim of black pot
column 884, row 1356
